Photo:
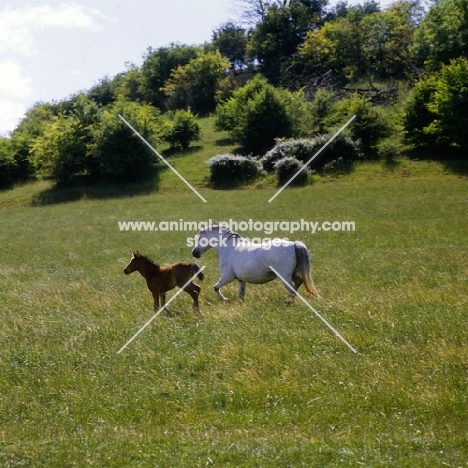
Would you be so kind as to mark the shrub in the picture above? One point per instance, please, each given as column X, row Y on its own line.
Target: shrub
column 116, row 153
column 258, row 113
column 182, row 129
column 304, row 149
column 287, row 167
column 7, row 164
column 301, row 149
column 343, row 146
column 388, row 150
column 371, row 124
column 60, row 153
column 436, row 108
column 230, row 170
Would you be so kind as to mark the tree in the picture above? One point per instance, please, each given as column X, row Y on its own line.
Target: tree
column 8, row 170
column 336, row 47
column 182, row 129
column 417, row 116
column 131, row 86
column 436, row 110
column 231, row 41
column 254, row 11
column 195, row 84
column 321, row 109
column 370, row 125
column 31, row 126
column 115, row 152
column 386, row 39
column 157, row 68
column 275, row 39
column 258, row 113
column 105, row 91
column 60, row 153
column 442, row 35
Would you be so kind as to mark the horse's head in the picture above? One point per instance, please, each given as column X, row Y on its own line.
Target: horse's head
column 202, row 244
column 206, row 239
column 133, row 265
column 218, row 235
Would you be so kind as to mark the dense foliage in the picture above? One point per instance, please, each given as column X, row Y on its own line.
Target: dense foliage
column 230, row 170
column 314, row 150
column 182, row 129
column 436, row 110
column 258, row 113
column 295, row 68
column 287, row 170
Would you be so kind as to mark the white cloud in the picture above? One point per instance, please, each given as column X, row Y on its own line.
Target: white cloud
column 18, row 26
column 20, row 30
column 13, row 83
column 15, row 88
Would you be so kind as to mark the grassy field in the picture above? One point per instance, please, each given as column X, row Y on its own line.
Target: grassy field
column 253, row 384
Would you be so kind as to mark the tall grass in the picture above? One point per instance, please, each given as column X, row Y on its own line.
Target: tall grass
column 254, row 383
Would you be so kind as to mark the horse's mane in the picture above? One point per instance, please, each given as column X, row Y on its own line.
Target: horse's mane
column 225, row 230
column 148, row 259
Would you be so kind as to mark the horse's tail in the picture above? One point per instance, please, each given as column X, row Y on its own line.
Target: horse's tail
column 195, row 268
column 303, row 268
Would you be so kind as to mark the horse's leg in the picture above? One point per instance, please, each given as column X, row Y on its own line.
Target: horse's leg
column 225, row 279
column 162, row 296
column 156, row 300
column 297, row 280
column 194, row 291
column 241, row 289
column 290, row 286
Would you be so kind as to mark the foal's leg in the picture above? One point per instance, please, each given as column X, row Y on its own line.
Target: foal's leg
column 194, row 291
column 162, row 296
column 241, row 289
column 156, row 300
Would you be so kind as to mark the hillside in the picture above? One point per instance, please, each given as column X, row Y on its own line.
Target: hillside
column 254, row 383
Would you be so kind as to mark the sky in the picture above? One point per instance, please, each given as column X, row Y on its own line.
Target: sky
column 52, row 49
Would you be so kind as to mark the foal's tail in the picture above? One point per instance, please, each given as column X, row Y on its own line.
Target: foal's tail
column 303, row 268
column 195, row 268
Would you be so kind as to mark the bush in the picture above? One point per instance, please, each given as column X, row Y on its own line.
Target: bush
column 388, row 150
column 417, row 117
column 343, row 146
column 436, row 109
column 182, row 129
column 230, row 170
column 370, row 126
column 258, row 113
column 116, row 153
column 8, row 170
column 60, row 153
column 287, row 167
column 304, row 149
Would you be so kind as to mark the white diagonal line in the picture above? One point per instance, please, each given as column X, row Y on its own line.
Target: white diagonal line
column 313, row 310
column 160, row 310
column 312, row 158
column 162, row 159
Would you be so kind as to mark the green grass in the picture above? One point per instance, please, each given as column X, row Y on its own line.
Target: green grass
column 245, row 384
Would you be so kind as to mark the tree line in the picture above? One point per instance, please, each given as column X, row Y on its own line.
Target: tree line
column 290, row 68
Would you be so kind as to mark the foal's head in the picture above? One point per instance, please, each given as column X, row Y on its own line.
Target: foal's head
column 138, row 262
